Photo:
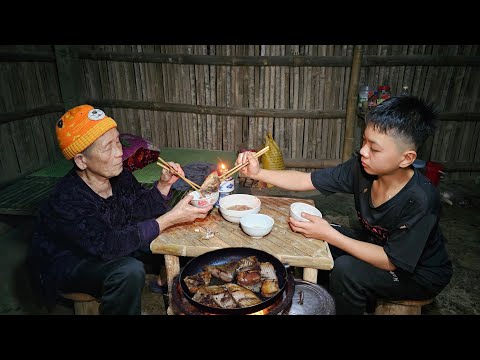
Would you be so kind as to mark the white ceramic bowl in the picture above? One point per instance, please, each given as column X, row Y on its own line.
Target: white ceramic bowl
column 201, row 202
column 256, row 225
column 297, row 208
column 226, row 203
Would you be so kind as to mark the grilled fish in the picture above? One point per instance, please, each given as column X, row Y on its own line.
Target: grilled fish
column 204, row 296
column 250, row 277
column 224, row 299
column 224, row 272
column 242, row 296
column 269, row 288
column 268, row 271
column 247, row 262
column 269, row 280
column 196, row 281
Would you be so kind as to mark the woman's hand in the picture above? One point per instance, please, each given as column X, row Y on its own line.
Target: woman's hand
column 183, row 212
column 167, row 179
column 253, row 167
column 317, row 227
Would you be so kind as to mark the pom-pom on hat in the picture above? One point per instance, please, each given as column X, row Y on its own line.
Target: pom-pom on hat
column 79, row 127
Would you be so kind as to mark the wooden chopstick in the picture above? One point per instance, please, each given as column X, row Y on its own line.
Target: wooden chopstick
column 240, row 166
column 168, row 167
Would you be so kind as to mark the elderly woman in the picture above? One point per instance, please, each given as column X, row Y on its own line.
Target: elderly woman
column 98, row 217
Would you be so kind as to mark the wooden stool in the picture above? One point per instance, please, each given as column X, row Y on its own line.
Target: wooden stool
column 83, row 304
column 400, row 307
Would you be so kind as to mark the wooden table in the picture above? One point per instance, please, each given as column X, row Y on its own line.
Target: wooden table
column 290, row 248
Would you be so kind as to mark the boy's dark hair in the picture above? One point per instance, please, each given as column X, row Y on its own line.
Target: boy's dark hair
column 408, row 117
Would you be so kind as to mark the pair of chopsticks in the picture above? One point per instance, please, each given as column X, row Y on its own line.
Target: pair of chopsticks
column 168, row 167
column 240, row 166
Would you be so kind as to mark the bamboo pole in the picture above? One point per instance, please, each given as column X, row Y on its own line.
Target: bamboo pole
column 352, row 103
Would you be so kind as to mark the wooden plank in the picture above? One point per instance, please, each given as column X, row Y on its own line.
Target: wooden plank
column 48, row 123
column 331, row 61
column 271, row 91
column 192, row 99
column 409, row 70
column 214, row 98
column 280, row 100
column 266, row 93
column 307, row 97
column 238, row 96
column 261, row 100
column 351, row 108
column 9, row 166
column 220, row 75
column 141, row 84
column 181, row 92
column 25, row 148
column 69, row 76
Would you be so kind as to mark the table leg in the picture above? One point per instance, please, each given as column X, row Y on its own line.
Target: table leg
column 172, row 267
column 310, row 275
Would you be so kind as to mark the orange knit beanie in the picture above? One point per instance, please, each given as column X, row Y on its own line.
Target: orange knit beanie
column 79, row 127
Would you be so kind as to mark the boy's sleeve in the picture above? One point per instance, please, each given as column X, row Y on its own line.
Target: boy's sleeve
column 336, row 179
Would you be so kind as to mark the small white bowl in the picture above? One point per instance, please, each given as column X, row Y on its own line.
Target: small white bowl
column 297, row 208
column 229, row 201
column 201, row 202
column 256, row 225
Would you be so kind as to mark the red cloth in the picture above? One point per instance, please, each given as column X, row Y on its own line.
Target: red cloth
column 137, row 152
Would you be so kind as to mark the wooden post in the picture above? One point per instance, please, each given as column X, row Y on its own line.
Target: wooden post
column 352, row 103
column 172, row 265
column 69, row 76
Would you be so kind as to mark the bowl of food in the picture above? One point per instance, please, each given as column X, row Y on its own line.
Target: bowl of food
column 201, row 201
column 256, row 225
column 297, row 208
column 234, row 207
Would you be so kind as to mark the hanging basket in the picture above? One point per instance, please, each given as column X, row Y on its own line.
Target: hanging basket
column 272, row 159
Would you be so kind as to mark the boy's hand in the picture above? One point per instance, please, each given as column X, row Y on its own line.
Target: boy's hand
column 317, row 227
column 253, row 167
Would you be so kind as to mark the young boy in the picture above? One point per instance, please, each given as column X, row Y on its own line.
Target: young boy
column 400, row 251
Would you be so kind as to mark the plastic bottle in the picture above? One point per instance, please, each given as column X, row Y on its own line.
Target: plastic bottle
column 363, row 97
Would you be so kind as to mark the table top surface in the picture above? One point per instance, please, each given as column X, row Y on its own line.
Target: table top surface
column 289, row 247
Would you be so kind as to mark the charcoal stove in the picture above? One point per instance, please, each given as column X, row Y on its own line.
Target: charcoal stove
column 279, row 307
column 299, row 297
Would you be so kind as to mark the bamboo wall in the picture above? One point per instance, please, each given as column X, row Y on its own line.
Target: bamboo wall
column 179, row 102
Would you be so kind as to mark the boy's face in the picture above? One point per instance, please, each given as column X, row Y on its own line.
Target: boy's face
column 383, row 154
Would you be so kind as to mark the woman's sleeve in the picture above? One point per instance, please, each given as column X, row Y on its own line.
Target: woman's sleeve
column 146, row 203
column 88, row 226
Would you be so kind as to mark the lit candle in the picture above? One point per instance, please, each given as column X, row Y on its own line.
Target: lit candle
column 223, row 169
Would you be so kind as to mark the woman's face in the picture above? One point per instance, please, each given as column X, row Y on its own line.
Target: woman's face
column 104, row 157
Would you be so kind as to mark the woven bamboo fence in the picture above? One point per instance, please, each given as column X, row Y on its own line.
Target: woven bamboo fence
column 228, row 97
